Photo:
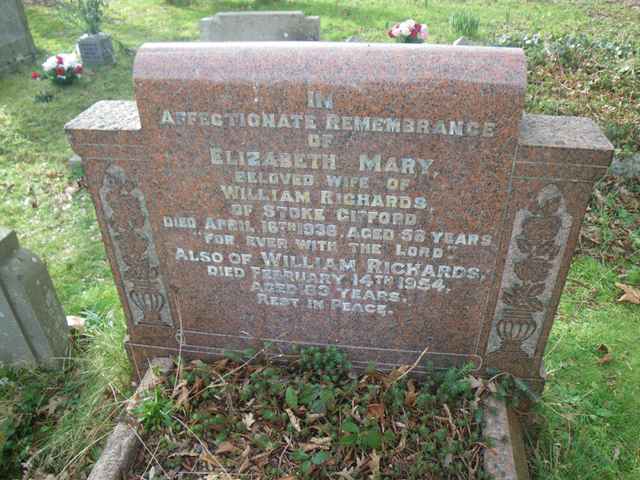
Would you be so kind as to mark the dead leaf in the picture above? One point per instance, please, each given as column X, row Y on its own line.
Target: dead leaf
column 606, row 359
column 411, row 395
column 220, row 364
column 244, row 466
column 394, row 375
column 225, row 447
column 75, row 323
column 183, row 397
column 321, row 440
column 295, row 421
column 288, row 477
column 248, row 420
column 616, row 454
column 317, row 443
column 374, row 464
column 207, row 457
column 376, row 410
column 631, row 294
column 602, row 348
column 53, row 404
column 198, row 385
column 312, row 417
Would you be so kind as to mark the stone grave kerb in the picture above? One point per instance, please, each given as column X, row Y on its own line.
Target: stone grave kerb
column 524, row 179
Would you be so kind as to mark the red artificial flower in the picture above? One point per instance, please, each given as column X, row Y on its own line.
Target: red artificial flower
column 60, row 71
column 59, row 60
column 35, row 75
column 78, row 69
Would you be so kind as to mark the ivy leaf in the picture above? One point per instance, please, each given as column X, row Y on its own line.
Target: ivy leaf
column 306, row 467
column 348, row 440
column 300, row 456
column 319, row 458
column 372, row 439
column 291, row 397
column 350, row 427
column 232, row 355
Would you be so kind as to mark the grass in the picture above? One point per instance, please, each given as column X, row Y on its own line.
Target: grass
column 587, row 423
column 57, row 419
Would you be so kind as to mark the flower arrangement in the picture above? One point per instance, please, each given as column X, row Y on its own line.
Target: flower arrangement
column 409, row 32
column 62, row 69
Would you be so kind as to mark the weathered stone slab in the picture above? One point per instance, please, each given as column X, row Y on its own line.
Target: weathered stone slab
column 382, row 198
column 259, row 27
column 505, row 458
column 33, row 328
column 124, row 442
column 16, row 44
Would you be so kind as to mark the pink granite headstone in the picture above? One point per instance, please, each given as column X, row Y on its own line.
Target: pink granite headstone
column 382, row 198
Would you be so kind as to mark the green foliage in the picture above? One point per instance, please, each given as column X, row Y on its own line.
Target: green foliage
column 52, row 415
column 583, row 428
column 291, row 397
column 19, row 422
column 317, row 427
column 367, row 438
column 600, row 76
column 87, row 14
column 156, row 410
column 326, row 365
column 465, row 23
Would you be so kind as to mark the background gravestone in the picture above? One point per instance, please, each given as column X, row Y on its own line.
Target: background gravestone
column 96, row 49
column 382, row 198
column 16, row 44
column 33, row 328
column 259, row 26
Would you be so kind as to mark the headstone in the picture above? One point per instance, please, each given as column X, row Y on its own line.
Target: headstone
column 96, row 49
column 33, row 328
column 259, row 27
column 16, row 44
column 383, row 198
column 75, row 165
column 626, row 166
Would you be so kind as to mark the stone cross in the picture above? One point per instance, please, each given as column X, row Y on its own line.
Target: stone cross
column 387, row 199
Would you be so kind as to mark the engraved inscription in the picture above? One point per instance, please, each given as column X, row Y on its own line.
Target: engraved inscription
column 302, row 215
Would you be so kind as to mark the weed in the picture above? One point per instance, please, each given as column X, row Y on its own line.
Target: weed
column 328, row 365
column 297, row 420
column 156, row 410
column 465, row 24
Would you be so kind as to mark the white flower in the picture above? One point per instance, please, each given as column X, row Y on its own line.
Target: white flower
column 69, row 60
column 405, row 30
column 50, row 64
